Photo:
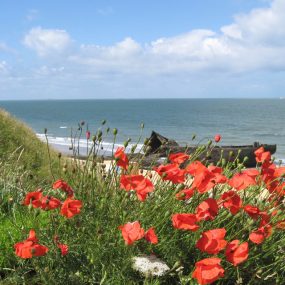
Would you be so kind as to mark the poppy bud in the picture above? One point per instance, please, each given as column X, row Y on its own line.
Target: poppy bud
column 142, row 125
column 133, row 148
column 94, row 138
column 87, row 135
column 45, row 131
column 146, row 141
column 107, row 130
column 231, row 153
column 103, row 122
column 245, row 159
column 126, row 144
column 99, row 133
column 217, row 138
column 193, row 137
column 115, row 132
column 82, row 123
column 59, row 155
column 209, row 143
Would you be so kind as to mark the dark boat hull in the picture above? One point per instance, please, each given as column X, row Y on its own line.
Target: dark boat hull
column 159, row 146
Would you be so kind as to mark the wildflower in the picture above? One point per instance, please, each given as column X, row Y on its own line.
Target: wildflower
column 88, row 135
column 241, row 181
column 132, row 232
column 30, row 247
column 150, row 236
column 217, row 138
column 236, row 253
column 208, row 270
column 262, row 156
column 207, row 210
column 260, row 234
column 70, row 207
column 195, row 168
column 63, row 247
column 121, row 158
column 178, row 158
column 60, row 184
column 252, row 211
column 212, row 241
column 185, row 194
column 138, row 183
column 185, row 222
column 171, row 172
column 232, row 201
column 34, row 198
column 206, row 178
column 50, row 203
column 150, row 265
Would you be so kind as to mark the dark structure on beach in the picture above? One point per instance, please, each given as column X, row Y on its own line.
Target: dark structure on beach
column 159, row 147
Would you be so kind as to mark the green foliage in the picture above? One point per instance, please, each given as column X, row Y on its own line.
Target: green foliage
column 19, row 142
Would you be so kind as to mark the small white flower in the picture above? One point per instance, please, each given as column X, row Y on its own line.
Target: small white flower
column 150, row 265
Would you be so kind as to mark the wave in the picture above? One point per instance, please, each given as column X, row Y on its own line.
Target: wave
column 64, row 143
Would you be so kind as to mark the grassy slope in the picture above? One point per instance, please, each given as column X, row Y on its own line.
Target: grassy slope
column 18, row 139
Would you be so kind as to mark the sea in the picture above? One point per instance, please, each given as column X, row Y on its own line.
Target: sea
column 238, row 121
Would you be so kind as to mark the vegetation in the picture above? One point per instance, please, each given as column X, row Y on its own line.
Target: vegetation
column 199, row 223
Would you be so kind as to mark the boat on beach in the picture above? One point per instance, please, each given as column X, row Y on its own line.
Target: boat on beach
column 158, row 147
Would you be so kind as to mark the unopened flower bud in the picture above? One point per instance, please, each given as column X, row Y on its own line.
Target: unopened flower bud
column 115, row 132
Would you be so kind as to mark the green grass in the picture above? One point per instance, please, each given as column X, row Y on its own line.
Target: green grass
column 18, row 141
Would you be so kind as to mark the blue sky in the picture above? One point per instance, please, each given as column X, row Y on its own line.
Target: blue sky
column 142, row 49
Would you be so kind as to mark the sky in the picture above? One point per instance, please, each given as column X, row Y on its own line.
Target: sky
column 66, row 49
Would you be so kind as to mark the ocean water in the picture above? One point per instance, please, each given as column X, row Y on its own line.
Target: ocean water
column 239, row 121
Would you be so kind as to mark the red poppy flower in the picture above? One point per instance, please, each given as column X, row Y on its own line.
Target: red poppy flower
column 217, row 138
column 132, row 232
column 150, row 236
column 34, row 198
column 207, row 210
column 138, row 183
column 208, row 270
column 262, row 156
column 208, row 178
column 30, row 248
column 232, row 201
column 185, row 194
column 70, row 207
column 240, row 181
column 212, row 241
column 185, row 222
column 178, row 158
column 252, row 211
column 260, row 234
column 171, row 172
column 50, row 203
column 88, row 135
column 60, row 184
column 236, row 253
column 63, row 248
column 121, row 158
column 195, row 168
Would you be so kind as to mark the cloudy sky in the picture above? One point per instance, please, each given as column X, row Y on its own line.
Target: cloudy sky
column 142, row 49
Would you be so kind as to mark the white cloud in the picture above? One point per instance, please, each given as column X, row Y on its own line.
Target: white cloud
column 47, row 41
column 253, row 41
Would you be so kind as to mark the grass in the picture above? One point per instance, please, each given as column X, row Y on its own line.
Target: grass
column 97, row 251
column 17, row 140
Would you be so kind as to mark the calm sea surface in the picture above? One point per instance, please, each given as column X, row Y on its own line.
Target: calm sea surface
column 239, row 121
